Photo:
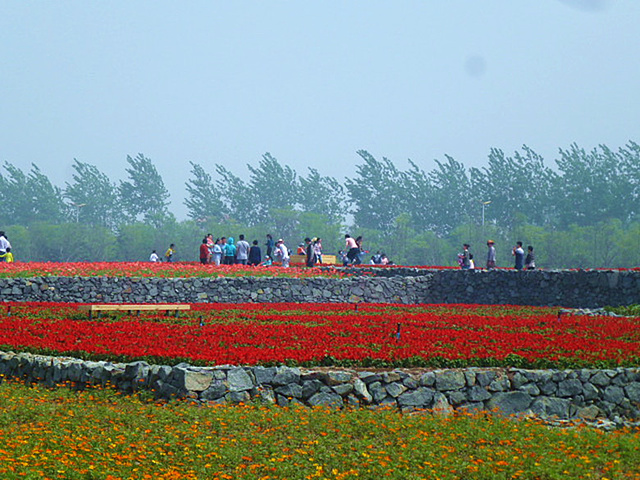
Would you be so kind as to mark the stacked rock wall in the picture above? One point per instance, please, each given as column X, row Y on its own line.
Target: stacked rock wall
column 587, row 394
column 594, row 288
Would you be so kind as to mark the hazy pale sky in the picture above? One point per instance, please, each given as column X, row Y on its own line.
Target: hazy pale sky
column 311, row 82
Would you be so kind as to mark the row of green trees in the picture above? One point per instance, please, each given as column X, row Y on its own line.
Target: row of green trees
column 582, row 212
column 607, row 244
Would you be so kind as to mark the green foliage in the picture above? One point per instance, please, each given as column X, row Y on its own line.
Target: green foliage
column 93, row 197
column 585, row 215
column 322, row 196
column 144, row 196
column 627, row 311
column 136, row 241
column 376, row 195
column 203, row 198
column 71, row 242
column 28, row 198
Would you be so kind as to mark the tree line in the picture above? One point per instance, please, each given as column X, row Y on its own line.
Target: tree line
column 583, row 212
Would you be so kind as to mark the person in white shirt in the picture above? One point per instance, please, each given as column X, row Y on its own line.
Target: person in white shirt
column 154, row 257
column 4, row 244
column 242, row 250
column 282, row 252
column 217, row 252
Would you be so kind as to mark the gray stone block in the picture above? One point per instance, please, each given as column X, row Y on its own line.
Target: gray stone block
column 286, row 375
column 395, row 389
column 510, row 403
column 441, row 406
column 613, row 395
column 410, row 382
column 310, row 387
column 264, row 375
column 343, row 388
column 421, row 397
column 633, row 392
column 450, row 380
column 456, row 397
column 216, row 390
column 427, row 379
column 360, row 389
column 478, row 394
column 570, row 388
column 547, row 406
column 389, row 377
column 530, row 388
column 378, row 392
column 332, row 378
column 326, row 400
column 239, row 380
column 291, row 390
column 485, row 378
column 601, row 379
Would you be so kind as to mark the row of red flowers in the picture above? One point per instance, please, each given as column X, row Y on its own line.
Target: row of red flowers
column 182, row 269
column 151, row 269
column 317, row 333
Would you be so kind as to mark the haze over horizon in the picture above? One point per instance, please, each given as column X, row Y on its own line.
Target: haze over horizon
column 311, row 83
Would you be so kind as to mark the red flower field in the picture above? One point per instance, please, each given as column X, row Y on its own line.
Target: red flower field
column 150, row 269
column 332, row 334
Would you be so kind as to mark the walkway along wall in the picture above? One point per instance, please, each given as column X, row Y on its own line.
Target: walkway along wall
column 551, row 288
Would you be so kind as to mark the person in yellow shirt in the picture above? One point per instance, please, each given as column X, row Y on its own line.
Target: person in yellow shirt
column 168, row 256
column 8, row 257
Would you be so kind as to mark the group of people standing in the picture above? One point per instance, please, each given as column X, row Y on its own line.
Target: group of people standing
column 466, row 262
column 225, row 251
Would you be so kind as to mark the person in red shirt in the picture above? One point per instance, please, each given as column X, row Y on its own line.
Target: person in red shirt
column 204, row 252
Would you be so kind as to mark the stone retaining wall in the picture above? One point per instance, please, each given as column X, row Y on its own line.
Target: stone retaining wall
column 587, row 394
column 593, row 288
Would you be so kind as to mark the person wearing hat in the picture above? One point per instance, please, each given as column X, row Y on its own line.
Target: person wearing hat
column 491, row 255
column 282, row 252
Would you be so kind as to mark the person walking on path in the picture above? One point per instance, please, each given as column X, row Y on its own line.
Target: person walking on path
column 310, row 252
column 154, row 257
column 465, row 257
column 530, row 260
column 518, row 252
column 491, row 255
column 282, row 252
column 168, row 255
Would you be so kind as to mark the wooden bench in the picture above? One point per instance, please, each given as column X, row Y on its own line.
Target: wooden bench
column 302, row 260
column 130, row 307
